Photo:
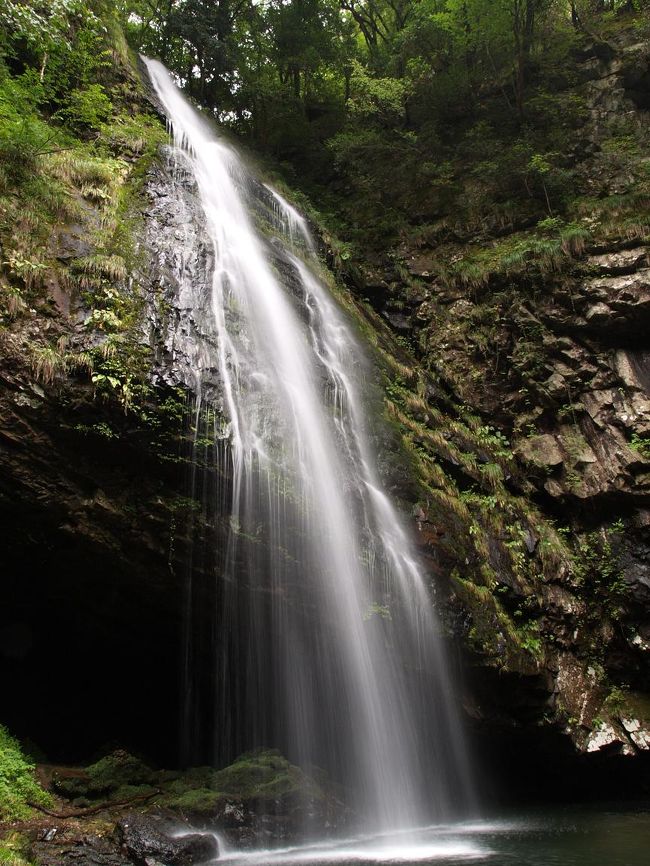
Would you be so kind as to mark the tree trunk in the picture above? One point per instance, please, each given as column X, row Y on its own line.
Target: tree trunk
column 520, row 82
column 575, row 18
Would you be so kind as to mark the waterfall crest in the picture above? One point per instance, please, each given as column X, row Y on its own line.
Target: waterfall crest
column 324, row 642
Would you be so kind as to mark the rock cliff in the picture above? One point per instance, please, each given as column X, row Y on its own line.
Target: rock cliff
column 516, row 370
column 520, row 384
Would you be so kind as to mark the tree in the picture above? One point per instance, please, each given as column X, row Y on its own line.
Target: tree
column 305, row 36
column 379, row 20
column 38, row 29
column 196, row 38
column 525, row 16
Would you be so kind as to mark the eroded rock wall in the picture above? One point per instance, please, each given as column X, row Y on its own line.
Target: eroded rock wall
column 521, row 387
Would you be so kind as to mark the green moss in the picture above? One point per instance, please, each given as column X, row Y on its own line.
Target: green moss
column 139, row 135
column 543, row 252
column 18, row 787
column 201, row 800
column 118, row 776
column 618, row 216
column 616, row 701
column 261, row 775
column 493, row 632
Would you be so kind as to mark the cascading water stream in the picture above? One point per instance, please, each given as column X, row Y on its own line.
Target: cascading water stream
column 324, row 641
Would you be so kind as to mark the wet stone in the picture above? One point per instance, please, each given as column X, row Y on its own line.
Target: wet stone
column 146, row 842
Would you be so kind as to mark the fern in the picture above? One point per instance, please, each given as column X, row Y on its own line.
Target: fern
column 48, row 363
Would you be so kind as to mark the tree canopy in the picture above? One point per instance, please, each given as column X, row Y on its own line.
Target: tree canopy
column 369, row 100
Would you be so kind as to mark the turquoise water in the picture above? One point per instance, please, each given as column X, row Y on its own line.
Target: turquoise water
column 562, row 837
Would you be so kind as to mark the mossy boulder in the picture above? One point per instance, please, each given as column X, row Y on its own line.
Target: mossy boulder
column 260, row 794
column 201, row 801
column 265, row 775
column 148, row 840
column 116, row 776
column 254, row 777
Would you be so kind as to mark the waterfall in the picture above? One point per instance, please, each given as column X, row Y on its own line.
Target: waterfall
column 323, row 641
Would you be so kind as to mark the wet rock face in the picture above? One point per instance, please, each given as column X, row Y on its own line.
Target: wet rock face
column 180, row 264
column 558, row 361
column 137, row 839
column 148, row 841
column 56, row 848
column 611, row 307
column 86, row 569
column 94, row 537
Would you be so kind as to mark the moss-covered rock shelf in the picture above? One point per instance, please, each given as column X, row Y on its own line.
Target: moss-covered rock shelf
column 74, row 811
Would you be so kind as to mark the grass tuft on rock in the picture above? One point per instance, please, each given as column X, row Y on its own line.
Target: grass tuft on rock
column 13, row 851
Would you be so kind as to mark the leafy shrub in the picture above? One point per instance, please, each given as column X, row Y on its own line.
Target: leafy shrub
column 23, row 136
column 18, row 787
column 87, row 108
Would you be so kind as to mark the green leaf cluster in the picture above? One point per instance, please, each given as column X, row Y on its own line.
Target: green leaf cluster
column 18, row 786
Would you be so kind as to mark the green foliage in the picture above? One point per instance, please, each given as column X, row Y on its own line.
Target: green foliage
column 530, row 638
column 62, row 41
column 616, row 701
column 139, row 134
column 122, row 376
column 50, row 54
column 18, row 787
column 376, row 99
column 552, row 249
column 641, row 444
column 495, row 439
column 23, row 270
column 458, row 114
column 24, row 136
column 493, row 473
column 48, row 362
column 75, row 144
column 597, row 571
column 102, row 429
column 87, row 108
